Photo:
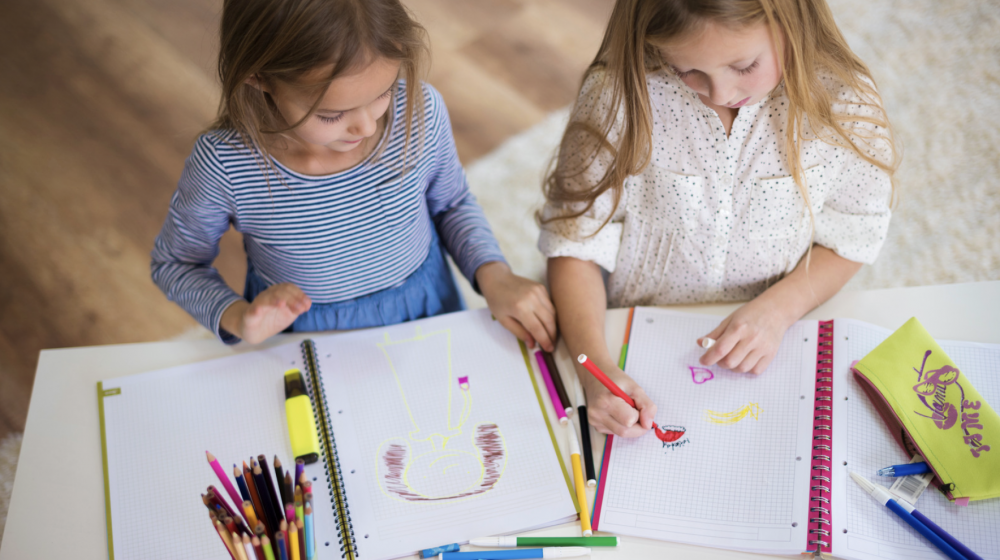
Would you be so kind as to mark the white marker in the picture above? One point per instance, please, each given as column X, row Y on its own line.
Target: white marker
column 707, row 343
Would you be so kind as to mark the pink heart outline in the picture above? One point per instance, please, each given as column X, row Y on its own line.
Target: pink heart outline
column 698, row 374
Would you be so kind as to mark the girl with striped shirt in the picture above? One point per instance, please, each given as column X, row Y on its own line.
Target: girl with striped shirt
column 339, row 168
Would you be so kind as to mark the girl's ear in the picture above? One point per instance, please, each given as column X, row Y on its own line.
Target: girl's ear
column 255, row 82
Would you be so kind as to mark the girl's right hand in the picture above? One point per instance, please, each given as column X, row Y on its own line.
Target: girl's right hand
column 610, row 414
column 271, row 312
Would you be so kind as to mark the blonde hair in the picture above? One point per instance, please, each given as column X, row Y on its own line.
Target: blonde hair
column 628, row 52
column 282, row 40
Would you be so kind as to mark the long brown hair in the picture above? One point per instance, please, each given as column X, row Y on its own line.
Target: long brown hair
column 281, row 40
column 629, row 51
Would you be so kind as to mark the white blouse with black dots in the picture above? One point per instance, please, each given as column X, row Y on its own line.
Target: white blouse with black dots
column 717, row 218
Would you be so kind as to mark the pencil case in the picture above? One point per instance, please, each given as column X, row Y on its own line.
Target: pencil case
column 933, row 410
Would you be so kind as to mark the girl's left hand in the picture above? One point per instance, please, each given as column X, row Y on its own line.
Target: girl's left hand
column 522, row 306
column 748, row 339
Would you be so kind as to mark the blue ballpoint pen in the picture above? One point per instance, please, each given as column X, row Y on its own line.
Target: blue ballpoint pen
column 550, row 552
column 961, row 548
column 885, row 498
column 905, row 470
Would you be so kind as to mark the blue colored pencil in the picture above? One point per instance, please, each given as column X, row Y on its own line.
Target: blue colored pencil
column 244, row 490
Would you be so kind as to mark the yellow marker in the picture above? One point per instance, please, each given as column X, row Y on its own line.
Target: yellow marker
column 581, row 486
column 301, row 422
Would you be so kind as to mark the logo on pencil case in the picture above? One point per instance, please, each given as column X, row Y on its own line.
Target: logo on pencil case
column 932, row 390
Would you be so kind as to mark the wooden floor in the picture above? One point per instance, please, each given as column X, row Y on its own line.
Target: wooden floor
column 101, row 100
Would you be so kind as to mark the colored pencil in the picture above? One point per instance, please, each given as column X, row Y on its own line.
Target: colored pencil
column 279, row 477
column 293, row 543
column 254, row 494
column 248, row 547
column 272, row 490
column 279, row 545
column 300, row 470
column 289, row 490
column 258, row 550
column 557, row 379
column 282, row 537
column 233, row 494
column 226, row 539
column 241, row 551
column 300, row 528
column 588, row 450
column 299, row 510
column 553, row 395
column 265, row 498
column 310, row 532
column 241, row 483
column 290, row 513
column 265, row 544
column 251, row 515
column 579, row 484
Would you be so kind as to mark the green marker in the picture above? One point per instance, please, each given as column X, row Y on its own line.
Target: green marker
column 545, row 541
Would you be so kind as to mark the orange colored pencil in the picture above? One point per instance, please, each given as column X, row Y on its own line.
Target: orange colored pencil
column 254, row 496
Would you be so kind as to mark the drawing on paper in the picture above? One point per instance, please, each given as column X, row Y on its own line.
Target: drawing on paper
column 752, row 410
column 670, row 434
column 701, row 374
column 439, row 458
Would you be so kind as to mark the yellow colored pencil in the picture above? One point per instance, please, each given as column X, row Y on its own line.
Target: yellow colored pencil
column 293, row 544
column 578, row 482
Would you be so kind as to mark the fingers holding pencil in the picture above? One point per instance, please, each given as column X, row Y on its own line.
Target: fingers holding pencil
column 625, row 410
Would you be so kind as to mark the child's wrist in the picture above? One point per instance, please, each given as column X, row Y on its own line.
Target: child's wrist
column 488, row 273
column 232, row 318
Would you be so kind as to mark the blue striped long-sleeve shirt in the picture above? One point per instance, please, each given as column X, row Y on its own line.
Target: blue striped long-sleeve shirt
column 337, row 237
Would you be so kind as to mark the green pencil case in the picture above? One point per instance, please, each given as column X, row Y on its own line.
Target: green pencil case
column 933, row 411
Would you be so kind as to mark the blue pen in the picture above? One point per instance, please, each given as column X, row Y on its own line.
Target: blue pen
column 884, row 497
column 964, row 550
column 550, row 552
column 905, row 470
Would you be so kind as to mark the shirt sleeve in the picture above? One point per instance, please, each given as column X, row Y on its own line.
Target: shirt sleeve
column 200, row 212
column 854, row 220
column 583, row 236
column 459, row 219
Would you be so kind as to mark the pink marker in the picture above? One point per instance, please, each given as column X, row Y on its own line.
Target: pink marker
column 560, row 409
column 233, row 494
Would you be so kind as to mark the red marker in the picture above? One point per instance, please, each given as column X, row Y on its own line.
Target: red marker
column 607, row 382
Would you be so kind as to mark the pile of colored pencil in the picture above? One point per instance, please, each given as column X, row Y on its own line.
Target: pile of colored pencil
column 275, row 516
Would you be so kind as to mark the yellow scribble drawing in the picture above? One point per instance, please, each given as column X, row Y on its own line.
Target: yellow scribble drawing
column 431, row 463
column 752, row 410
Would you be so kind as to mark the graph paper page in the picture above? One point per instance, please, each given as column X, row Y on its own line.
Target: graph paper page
column 158, row 426
column 862, row 528
column 736, row 476
column 439, row 433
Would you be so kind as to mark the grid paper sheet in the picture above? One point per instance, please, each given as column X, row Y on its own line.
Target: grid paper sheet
column 738, row 476
column 862, row 528
column 160, row 425
column 440, row 435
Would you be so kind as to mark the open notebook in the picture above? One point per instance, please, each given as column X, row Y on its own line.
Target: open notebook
column 434, row 434
column 760, row 463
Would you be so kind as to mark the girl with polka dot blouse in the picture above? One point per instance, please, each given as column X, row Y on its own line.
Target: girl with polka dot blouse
column 719, row 150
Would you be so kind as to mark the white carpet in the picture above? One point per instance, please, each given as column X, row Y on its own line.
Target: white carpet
column 937, row 63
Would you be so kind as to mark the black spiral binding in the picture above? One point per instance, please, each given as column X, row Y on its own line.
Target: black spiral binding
column 819, row 489
column 331, row 462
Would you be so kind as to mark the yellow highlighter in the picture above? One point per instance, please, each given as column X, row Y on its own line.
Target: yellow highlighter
column 581, row 487
column 301, row 422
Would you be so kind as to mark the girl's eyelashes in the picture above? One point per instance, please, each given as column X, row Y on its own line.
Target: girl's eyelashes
column 748, row 69
column 330, row 120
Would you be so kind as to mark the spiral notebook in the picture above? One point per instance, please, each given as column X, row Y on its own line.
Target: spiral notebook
column 432, row 432
column 760, row 463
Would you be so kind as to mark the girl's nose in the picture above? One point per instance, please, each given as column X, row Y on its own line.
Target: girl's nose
column 364, row 125
column 722, row 94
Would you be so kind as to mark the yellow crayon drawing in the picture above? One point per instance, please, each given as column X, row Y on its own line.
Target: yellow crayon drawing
column 431, row 463
column 752, row 410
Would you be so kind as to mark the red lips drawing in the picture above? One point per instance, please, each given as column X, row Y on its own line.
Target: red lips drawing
column 670, row 434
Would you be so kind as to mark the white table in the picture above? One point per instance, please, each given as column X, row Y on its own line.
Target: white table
column 59, row 513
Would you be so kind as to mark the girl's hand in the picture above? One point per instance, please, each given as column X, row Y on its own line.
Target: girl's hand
column 521, row 305
column 610, row 414
column 271, row 312
column 748, row 339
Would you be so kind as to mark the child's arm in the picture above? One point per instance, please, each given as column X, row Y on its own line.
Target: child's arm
column 271, row 312
column 748, row 339
column 579, row 294
column 522, row 306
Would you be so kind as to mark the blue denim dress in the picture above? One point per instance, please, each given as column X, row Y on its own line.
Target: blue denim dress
column 429, row 291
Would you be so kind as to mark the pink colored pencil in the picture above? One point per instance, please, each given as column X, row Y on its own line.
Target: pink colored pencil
column 230, row 489
column 553, row 394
